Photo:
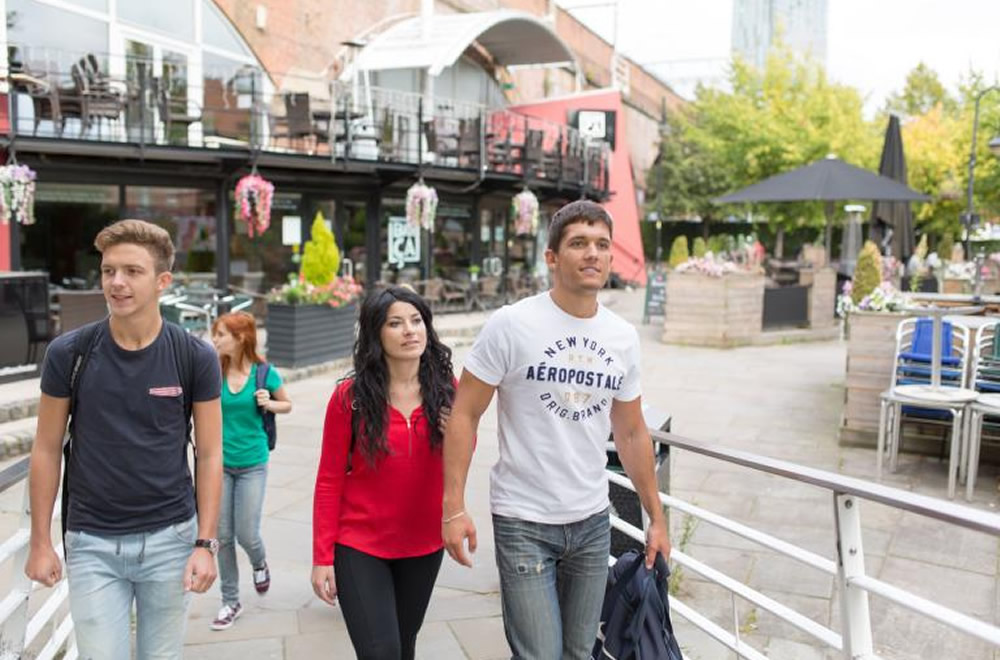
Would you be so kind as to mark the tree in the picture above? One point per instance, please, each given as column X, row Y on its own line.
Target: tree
column 922, row 92
column 699, row 248
column 770, row 122
column 320, row 256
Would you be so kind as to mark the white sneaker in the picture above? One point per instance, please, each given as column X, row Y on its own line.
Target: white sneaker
column 227, row 617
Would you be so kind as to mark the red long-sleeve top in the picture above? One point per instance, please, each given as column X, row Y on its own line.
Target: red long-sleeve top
column 390, row 511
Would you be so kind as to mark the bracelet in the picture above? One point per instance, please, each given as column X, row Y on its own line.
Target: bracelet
column 445, row 521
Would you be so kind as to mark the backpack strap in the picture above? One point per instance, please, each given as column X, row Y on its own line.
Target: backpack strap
column 83, row 346
column 263, row 368
column 184, row 361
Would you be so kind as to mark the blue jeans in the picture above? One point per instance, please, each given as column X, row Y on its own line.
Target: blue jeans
column 239, row 521
column 107, row 572
column 552, row 580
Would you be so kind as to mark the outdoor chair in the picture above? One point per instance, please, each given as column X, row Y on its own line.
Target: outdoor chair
column 946, row 407
column 986, row 381
column 173, row 111
column 489, row 294
column 298, row 115
column 98, row 103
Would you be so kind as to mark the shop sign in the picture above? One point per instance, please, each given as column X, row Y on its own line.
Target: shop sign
column 404, row 241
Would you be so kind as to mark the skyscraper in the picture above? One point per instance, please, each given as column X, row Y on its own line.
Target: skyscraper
column 758, row 23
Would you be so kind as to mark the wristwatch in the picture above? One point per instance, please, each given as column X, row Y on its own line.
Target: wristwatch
column 211, row 544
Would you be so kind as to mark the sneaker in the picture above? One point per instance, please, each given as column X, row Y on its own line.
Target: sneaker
column 262, row 579
column 227, row 617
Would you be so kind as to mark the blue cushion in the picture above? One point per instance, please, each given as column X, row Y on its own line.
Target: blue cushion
column 926, row 413
column 952, row 360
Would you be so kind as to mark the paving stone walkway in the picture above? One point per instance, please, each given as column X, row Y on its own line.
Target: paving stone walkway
column 783, row 401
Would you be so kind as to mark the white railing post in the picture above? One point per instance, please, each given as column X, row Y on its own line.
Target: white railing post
column 857, row 626
column 13, row 629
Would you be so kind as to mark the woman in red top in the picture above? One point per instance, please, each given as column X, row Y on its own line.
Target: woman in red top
column 377, row 506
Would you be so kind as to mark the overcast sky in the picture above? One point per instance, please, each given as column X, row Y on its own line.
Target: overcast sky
column 872, row 44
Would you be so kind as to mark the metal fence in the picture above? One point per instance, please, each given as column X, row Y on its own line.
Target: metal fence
column 855, row 639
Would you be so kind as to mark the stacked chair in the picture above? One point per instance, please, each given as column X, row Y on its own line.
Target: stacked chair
column 987, row 383
column 909, row 397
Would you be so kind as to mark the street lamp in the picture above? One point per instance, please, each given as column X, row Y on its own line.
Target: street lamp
column 970, row 219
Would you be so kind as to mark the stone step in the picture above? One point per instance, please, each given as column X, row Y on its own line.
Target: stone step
column 17, row 436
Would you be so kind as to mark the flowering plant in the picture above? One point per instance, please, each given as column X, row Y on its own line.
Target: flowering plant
column 883, row 298
column 524, row 207
column 17, row 194
column 341, row 292
column 707, row 266
column 253, row 203
column 892, row 268
column 421, row 205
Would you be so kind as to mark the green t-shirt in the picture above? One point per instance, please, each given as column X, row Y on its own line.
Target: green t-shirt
column 244, row 441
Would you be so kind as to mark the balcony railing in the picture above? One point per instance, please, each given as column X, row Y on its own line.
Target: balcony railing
column 72, row 97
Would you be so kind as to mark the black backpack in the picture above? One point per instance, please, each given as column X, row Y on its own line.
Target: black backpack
column 267, row 417
column 83, row 346
column 635, row 617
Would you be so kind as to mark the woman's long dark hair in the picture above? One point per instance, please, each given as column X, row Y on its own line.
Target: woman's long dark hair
column 370, row 391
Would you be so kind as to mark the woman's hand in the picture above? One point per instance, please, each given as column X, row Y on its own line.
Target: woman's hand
column 263, row 398
column 324, row 585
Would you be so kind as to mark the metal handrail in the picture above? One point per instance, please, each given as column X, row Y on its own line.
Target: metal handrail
column 955, row 514
column 856, row 639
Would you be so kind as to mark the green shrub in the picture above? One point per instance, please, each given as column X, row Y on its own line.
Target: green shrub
column 320, row 257
column 717, row 243
column 946, row 245
column 699, row 248
column 867, row 273
column 679, row 251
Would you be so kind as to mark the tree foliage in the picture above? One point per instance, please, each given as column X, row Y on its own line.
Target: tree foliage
column 770, row 121
column 922, row 92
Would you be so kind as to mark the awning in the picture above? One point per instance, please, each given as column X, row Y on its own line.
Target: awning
column 510, row 37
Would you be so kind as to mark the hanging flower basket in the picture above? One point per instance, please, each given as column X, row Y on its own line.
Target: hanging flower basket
column 421, row 205
column 17, row 194
column 524, row 206
column 253, row 203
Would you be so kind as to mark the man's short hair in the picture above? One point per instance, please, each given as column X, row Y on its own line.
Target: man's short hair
column 139, row 232
column 582, row 210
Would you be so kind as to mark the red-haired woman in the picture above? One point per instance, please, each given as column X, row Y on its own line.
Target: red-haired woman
column 244, row 456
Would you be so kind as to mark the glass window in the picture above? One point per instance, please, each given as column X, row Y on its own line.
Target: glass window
column 187, row 214
column 45, row 39
column 218, row 31
column 263, row 262
column 230, row 87
column 172, row 18
column 96, row 5
column 68, row 217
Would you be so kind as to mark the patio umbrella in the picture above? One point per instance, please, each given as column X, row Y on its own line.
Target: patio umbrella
column 827, row 180
column 898, row 215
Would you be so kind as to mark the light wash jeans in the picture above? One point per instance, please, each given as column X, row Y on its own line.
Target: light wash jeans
column 552, row 580
column 239, row 522
column 107, row 572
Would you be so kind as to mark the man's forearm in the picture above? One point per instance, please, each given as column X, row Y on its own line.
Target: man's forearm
column 636, row 454
column 208, row 479
column 43, row 486
column 458, row 444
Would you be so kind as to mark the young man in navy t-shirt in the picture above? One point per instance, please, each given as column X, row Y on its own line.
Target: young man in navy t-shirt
column 132, row 532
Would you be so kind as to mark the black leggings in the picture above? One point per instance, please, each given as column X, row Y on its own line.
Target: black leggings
column 384, row 600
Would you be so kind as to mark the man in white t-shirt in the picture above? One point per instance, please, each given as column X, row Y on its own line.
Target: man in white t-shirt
column 566, row 373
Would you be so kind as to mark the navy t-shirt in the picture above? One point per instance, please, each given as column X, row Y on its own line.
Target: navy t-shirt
column 128, row 469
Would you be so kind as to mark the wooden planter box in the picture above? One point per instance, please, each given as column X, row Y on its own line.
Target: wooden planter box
column 823, row 298
column 871, row 346
column 713, row 311
column 302, row 335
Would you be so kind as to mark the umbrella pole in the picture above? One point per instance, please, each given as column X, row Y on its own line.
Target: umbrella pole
column 828, row 206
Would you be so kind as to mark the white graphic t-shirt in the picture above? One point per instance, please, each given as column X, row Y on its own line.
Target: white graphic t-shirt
column 556, row 376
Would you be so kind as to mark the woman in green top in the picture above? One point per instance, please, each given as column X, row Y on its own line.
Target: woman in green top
column 244, row 456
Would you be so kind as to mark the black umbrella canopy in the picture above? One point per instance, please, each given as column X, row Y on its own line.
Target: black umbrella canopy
column 895, row 214
column 826, row 180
